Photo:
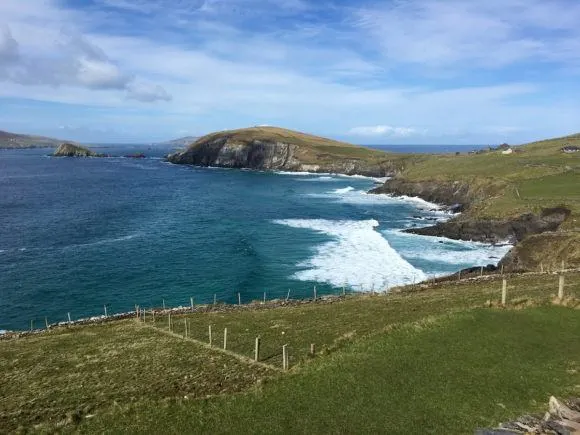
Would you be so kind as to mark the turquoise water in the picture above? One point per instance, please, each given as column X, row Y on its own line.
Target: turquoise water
column 78, row 234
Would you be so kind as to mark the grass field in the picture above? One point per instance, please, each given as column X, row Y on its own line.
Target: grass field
column 435, row 358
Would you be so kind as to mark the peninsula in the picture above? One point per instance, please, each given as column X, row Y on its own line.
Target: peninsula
column 14, row 140
column 273, row 148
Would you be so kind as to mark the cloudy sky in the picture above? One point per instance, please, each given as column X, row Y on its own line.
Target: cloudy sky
column 392, row 71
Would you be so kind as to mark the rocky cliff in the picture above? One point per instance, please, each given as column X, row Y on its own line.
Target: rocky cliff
column 270, row 148
column 71, row 150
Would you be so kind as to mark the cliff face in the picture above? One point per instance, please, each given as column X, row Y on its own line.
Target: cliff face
column 70, row 150
column 456, row 193
column 497, row 231
column 279, row 149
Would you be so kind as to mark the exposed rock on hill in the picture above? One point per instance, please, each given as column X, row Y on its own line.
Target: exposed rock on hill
column 71, row 150
column 497, row 231
column 271, row 148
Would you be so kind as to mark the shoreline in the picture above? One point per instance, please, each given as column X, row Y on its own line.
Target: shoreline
column 222, row 307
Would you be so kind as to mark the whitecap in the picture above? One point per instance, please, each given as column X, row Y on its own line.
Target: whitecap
column 443, row 250
column 343, row 190
column 357, row 256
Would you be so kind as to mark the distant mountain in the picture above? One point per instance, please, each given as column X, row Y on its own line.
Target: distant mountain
column 182, row 141
column 14, row 140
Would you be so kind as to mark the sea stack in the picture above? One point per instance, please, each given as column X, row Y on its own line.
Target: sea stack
column 71, row 150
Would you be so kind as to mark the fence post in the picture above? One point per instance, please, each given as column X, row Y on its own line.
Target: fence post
column 210, row 337
column 312, row 349
column 31, row 325
column 288, row 295
column 169, row 321
column 46, row 322
column 186, row 332
column 264, row 297
column 69, row 321
column 502, row 269
column 225, row 338
column 284, row 357
column 191, row 300
column 561, row 287
column 164, row 304
column 105, row 307
column 239, row 299
column 481, row 271
column 563, row 266
column 503, row 291
column 257, row 349
column 314, row 292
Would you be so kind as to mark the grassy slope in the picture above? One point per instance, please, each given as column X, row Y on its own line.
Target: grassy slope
column 313, row 149
column 541, row 174
column 13, row 140
column 368, row 375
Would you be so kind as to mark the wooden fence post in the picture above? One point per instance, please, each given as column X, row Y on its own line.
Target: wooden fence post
column 31, row 325
column 257, row 349
column 561, row 287
column 46, row 322
column 314, row 292
column 239, row 299
column 191, row 301
column 210, row 337
column 225, row 338
column 284, row 357
column 481, row 271
column 105, row 307
column 312, row 349
column 264, row 297
column 288, row 295
column 503, row 292
column 563, row 266
column 69, row 321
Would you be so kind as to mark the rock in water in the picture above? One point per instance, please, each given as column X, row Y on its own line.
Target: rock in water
column 71, row 150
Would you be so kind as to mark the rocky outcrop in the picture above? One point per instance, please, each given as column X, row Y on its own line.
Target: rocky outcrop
column 71, row 150
column 563, row 418
column 497, row 231
column 451, row 193
column 544, row 252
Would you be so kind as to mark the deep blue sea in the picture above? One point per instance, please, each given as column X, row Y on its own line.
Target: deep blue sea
column 78, row 234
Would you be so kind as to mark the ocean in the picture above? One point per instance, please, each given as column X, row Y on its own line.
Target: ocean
column 80, row 234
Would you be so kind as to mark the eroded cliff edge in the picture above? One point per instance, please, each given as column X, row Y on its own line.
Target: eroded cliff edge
column 271, row 148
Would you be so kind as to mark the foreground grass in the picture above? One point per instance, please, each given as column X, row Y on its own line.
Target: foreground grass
column 446, row 375
column 61, row 377
column 431, row 357
column 330, row 326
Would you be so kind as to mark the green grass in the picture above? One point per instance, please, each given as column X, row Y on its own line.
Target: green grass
column 128, row 376
column 447, row 375
column 65, row 375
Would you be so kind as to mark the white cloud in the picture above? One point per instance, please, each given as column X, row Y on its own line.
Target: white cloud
column 382, row 130
column 8, row 47
column 492, row 34
column 147, row 92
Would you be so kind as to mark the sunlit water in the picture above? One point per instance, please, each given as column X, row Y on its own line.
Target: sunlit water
column 78, row 234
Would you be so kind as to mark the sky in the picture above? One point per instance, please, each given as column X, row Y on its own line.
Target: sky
column 369, row 72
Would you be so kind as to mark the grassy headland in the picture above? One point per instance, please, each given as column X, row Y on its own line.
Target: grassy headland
column 14, row 140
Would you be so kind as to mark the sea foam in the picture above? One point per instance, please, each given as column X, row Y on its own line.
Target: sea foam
column 358, row 256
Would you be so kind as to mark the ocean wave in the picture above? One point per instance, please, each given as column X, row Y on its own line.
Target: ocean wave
column 343, row 190
column 442, row 250
column 358, row 256
column 330, row 174
column 103, row 241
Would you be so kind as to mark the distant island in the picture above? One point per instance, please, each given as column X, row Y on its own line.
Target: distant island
column 179, row 142
column 72, row 150
column 16, row 141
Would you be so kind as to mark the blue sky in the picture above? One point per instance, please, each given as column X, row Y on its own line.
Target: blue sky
column 401, row 71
